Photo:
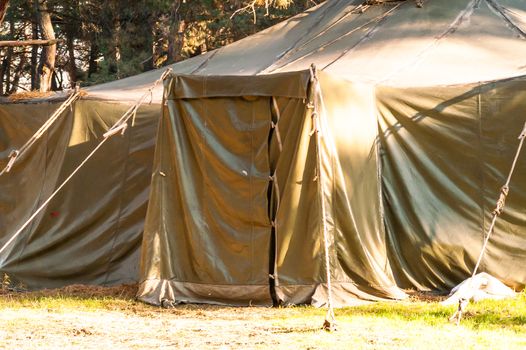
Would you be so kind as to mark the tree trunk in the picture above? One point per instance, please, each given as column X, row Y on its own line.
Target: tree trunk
column 47, row 58
column 3, row 66
column 18, row 73
column 35, row 82
column 72, row 67
column 4, row 4
column 176, row 36
column 93, row 55
column 114, row 47
column 148, row 64
column 6, row 65
column 5, row 70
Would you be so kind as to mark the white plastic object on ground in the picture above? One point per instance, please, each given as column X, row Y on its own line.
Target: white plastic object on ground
column 480, row 287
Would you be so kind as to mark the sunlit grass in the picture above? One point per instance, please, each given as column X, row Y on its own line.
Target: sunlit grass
column 490, row 314
column 410, row 324
column 66, row 303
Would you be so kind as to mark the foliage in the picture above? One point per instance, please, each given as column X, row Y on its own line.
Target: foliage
column 107, row 40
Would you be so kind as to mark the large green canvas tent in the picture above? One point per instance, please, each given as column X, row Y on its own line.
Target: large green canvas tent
column 416, row 124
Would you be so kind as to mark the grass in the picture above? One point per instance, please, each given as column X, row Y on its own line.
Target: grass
column 94, row 317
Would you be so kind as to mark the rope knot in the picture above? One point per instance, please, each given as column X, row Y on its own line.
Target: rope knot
column 523, row 133
column 12, row 159
column 502, row 200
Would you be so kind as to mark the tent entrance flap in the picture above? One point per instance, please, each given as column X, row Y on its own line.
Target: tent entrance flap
column 235, row 200
column 208, row 228
column 207, row 232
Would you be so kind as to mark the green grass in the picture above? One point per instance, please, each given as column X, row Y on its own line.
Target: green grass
column 509, row 314
column 490, row 315
column 65, row 303
column 382, row 325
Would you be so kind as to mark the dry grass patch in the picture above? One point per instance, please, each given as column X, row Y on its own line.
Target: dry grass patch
column 82, row 317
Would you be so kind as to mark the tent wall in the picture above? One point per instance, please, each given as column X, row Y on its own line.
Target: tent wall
column 354, row 196
column 350, row 187
column 207, row 224
column 207, row 233
column 91, row 232
column 446, row 153
column 213, row 210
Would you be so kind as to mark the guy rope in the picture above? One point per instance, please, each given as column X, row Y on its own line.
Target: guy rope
column 18, row 153
column 463, row 302
column 119, row 127
column 316, row 104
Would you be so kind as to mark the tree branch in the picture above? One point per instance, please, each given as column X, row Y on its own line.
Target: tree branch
column 14, row 43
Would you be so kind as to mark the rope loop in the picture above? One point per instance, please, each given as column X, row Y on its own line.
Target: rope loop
column 315, row 128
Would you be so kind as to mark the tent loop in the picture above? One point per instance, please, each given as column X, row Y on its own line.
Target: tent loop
column 15, row 154
column 316, row 99
column 135, row 115
column 313, row 74
column 274, row 180
column 275, row 125
column 119, row 126
column 274, row 222
column 496, row 213
column 12, row 159
column 113, row 131
column 315, row 128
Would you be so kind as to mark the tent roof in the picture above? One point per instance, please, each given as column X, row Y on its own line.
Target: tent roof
column 443, row 43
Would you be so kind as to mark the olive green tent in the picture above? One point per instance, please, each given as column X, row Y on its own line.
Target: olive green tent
column 391, row 159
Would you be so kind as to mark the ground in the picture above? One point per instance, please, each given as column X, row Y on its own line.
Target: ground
column 81, row 317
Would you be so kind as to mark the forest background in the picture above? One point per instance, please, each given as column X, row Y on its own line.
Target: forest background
column 55, row 44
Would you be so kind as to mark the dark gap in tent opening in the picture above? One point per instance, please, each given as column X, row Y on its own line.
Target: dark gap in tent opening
column 271, row 211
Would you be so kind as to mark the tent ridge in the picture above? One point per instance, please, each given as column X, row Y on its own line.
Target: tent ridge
column 453, row 26
column 369, row 34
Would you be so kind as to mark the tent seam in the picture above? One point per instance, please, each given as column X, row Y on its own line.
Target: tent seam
column 32, row 226
column 481, row 164
column 370, row 33
column 325, row 45
column 452, row 28
column 293, row 49
column 118, row 219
